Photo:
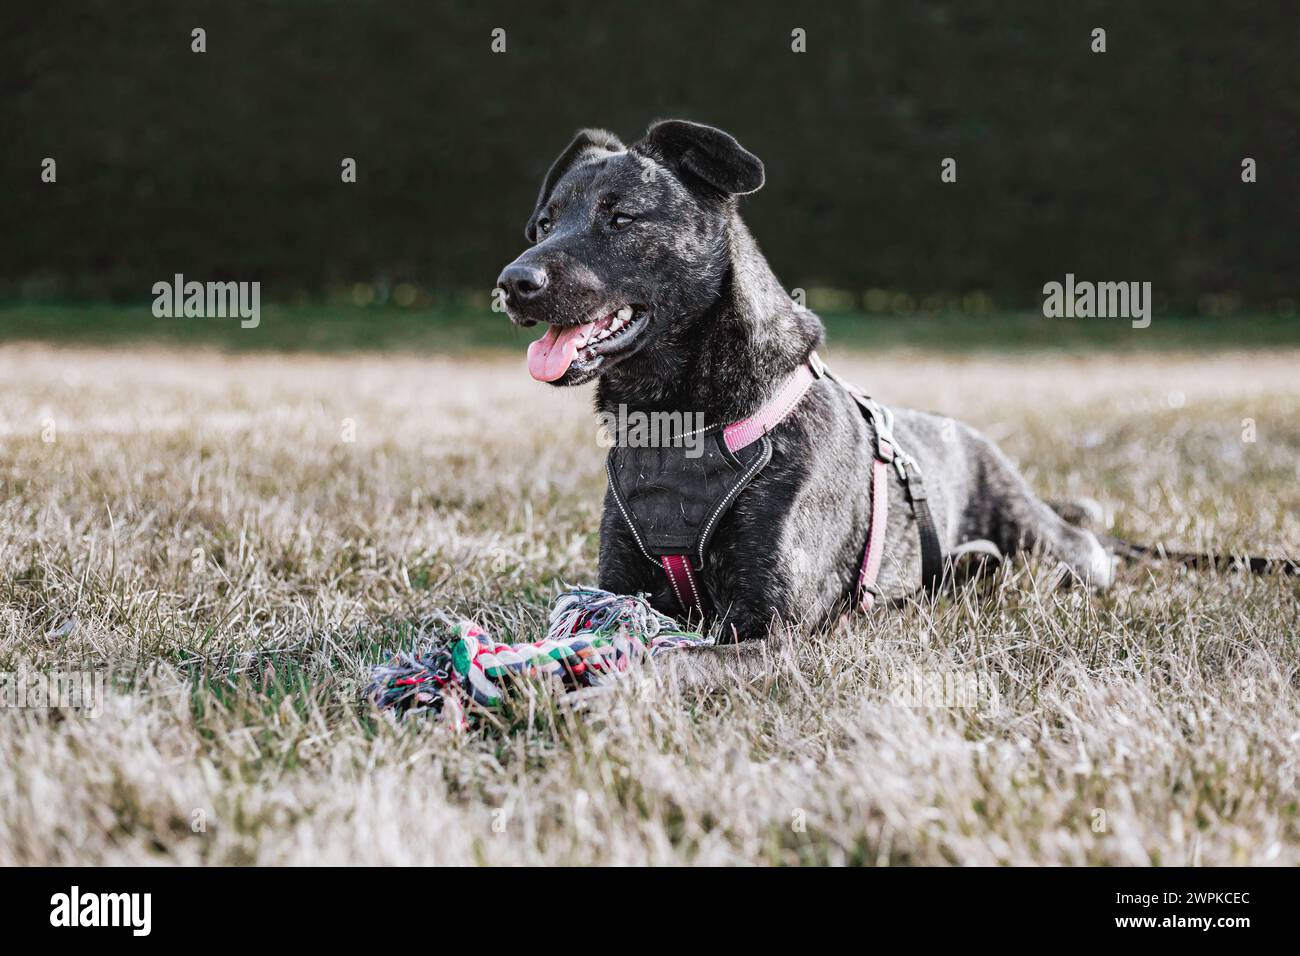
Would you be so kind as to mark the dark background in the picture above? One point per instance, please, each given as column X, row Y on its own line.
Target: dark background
column 1117, row 166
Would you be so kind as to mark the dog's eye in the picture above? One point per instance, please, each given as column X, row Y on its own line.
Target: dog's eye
column 543, row 225
column 622, row 220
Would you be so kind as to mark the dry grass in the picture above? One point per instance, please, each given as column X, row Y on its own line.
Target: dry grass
column 1155, row 724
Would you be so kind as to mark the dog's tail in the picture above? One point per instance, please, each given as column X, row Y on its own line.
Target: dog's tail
column 1200, row 561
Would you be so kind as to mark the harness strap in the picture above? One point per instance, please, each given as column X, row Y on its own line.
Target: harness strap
column 888, row 452
column 682, row 578
column 745, row 432
column 875, row 536
column 931, row 550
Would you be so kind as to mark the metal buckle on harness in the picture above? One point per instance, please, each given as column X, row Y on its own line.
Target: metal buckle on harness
column 887, row 450
column 882, row 420
column 817, row 365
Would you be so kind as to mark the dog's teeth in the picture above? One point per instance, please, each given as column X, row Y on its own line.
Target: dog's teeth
column 625, row 313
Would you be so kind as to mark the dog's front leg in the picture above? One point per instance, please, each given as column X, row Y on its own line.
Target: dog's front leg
column 624, row 568
column 747, row 592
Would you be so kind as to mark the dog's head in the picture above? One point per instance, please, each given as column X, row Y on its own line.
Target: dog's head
column 629, row 246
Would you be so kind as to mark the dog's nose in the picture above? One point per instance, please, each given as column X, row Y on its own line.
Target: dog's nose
column 522, row 282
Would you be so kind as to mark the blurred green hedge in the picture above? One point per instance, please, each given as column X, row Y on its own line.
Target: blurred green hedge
column 1117, row 166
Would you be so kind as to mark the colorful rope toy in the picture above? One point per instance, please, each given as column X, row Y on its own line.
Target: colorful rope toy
column 593, row 635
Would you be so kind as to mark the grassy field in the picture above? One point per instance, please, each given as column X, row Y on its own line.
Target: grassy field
column 465, row 328
column 237, row 538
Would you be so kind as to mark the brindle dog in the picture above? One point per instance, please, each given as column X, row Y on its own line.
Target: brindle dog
column 649, row 282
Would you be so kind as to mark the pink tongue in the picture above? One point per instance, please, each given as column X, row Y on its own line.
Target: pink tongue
column 550, row 356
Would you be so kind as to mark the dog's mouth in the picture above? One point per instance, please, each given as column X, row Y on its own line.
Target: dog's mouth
column 586, row 347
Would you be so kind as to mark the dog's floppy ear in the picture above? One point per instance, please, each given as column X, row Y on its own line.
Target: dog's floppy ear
column 586, row 140
column 708, row 154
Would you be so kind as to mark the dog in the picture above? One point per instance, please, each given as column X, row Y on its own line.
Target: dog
column 649, row 283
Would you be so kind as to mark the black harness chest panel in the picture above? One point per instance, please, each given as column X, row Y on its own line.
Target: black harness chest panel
column 673, row 498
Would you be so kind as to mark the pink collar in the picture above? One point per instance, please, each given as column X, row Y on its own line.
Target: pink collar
column 749, row 430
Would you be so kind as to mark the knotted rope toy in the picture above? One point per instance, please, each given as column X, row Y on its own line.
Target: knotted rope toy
column 592, row 636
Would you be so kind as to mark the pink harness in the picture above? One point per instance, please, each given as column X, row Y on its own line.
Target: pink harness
column 737, row 435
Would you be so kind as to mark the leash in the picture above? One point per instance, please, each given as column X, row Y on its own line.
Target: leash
column 740, row 434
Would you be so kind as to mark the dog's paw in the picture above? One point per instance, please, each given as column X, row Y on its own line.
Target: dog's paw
column 1099, row 572
column 1091, row 565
